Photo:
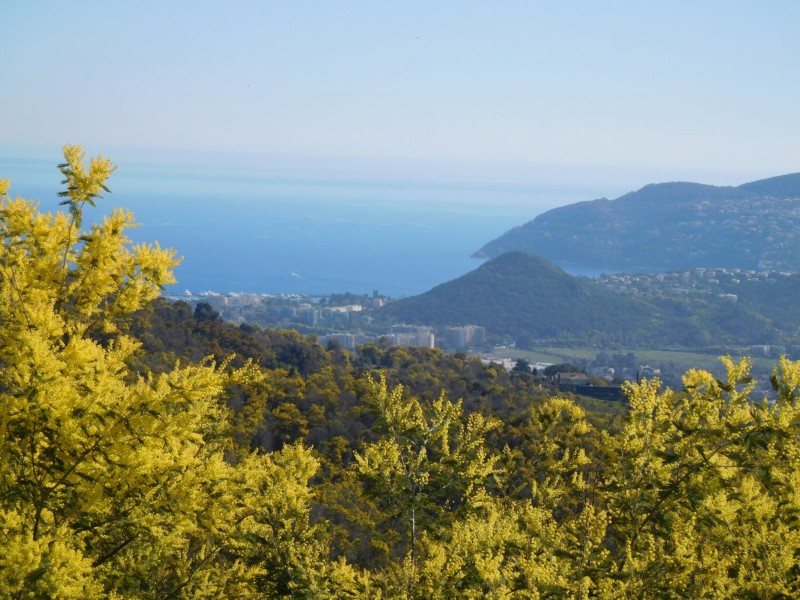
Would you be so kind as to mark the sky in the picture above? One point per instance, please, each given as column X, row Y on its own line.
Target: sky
column 617, row 92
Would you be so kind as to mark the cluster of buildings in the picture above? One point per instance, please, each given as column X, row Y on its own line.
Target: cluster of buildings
column 348, row 341
column 414, row 336
column 351, row 320
column 273, row 309
column 465, row 336
column 718, row 281
column 313, row 314
column 422, row 337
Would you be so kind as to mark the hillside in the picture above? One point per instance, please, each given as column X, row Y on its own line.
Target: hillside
column 670, row 226
column 527, row 297
column 519, row 292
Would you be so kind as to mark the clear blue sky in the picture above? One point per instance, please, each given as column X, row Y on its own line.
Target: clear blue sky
column 699, row 90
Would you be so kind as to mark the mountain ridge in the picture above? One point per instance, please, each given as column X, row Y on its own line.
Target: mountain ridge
column 669, row 226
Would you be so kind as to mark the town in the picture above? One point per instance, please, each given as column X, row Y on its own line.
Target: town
column 350, row 320
column 344, row 319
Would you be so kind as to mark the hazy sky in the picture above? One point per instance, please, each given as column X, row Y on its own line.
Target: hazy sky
column 678, row 88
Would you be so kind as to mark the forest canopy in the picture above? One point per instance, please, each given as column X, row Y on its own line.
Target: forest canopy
column 147, row 451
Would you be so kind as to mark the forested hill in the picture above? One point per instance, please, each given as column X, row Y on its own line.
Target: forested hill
column 527, row 297
column 518, row 292
column 670, row 226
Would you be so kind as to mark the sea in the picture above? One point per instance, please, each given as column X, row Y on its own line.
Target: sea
column 251, row 231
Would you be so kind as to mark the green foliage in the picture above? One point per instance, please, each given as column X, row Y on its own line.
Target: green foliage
column 429, row 461
column 561, row 368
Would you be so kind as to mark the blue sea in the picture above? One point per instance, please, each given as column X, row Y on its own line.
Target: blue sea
column 246, row 231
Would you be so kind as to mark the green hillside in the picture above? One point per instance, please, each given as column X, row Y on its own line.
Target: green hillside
column 528, row 298
column 519, row 292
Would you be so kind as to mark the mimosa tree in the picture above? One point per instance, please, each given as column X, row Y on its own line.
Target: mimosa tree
column 114, row 483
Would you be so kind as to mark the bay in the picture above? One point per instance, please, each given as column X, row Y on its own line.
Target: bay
column 254, row 232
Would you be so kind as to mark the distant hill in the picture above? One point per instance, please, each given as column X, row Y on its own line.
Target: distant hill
column 527, row 298
column 519, row 292
column 670, row 226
